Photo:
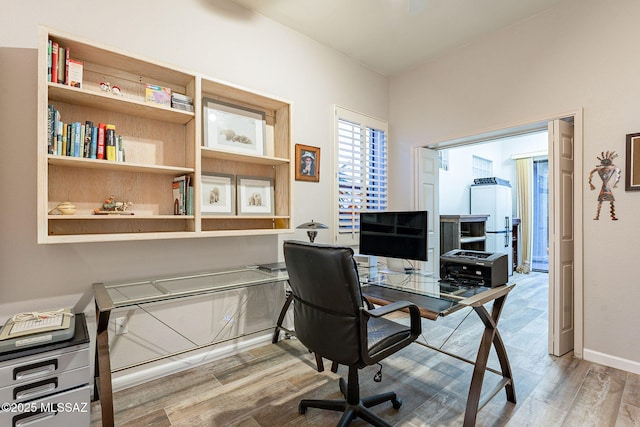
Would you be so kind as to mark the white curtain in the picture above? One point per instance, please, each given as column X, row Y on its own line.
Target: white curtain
column 524, row 173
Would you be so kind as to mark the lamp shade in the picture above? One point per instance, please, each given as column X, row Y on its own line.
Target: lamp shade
column 311, row 228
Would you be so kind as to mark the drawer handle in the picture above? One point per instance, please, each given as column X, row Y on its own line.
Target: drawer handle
column 28, row 419
column 30, row 390
column 35, row 370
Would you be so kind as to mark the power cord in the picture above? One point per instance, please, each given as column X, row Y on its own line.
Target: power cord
column 378, row 376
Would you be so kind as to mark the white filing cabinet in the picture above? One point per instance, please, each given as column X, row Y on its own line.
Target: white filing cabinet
column 47, row 385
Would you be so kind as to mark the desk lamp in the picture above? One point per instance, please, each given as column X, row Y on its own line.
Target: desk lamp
column 312, row 228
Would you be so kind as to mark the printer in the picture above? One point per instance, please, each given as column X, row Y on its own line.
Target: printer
column 474, row 267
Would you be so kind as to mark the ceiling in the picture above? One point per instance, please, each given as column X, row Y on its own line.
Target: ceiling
column 390, row 36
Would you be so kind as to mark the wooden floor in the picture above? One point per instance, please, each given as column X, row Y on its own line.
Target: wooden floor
column 262, row 387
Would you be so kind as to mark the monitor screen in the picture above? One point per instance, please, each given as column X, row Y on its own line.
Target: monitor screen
column 394, row 234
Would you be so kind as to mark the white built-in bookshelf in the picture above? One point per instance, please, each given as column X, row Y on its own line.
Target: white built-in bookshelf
column 160, row 143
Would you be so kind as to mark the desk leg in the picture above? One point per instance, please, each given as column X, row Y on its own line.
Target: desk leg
column 102, row 369
column 489, row 336
column 283, row 312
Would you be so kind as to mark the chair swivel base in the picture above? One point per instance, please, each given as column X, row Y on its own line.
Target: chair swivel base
column 353, row 411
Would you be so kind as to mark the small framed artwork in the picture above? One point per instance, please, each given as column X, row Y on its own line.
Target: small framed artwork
column 232, row 128
column 255, row 195
column 632, row 172
column 218, row 194
column 307, row 163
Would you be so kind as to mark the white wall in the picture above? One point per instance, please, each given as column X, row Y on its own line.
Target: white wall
column 455, row 183
column 581, row 54
column 214, row 37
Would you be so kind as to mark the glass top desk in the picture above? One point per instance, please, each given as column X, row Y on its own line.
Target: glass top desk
column 440, row 298
column 111, row 296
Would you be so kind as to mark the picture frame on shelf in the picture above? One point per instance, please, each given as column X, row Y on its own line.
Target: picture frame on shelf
column 233, row 128
column 255, row 195
column 632, row 160
column 307, row 163
column 218, row 194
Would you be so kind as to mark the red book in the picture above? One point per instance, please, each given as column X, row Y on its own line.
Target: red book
column 66, row 68
column 54, row 62
column 101, row 135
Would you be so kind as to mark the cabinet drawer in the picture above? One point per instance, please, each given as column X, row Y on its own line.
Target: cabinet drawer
column 46, row 386
column 40, row 366
column 70, row 408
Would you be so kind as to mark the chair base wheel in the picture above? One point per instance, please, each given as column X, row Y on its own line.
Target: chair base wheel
column 397, row 403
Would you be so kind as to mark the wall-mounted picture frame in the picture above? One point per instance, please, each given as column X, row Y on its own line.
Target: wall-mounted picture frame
column 632, row 163
column 255, row 195
column 217, row 194
column 307, row 163
column 233, row 128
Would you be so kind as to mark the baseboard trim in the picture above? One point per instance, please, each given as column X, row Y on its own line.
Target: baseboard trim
column 611, row 361
column 123, row 380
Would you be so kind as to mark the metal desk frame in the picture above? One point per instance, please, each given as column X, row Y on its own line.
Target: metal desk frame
column 490, row 337
column 109, row 297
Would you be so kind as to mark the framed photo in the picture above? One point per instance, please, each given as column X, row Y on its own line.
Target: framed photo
column 632, row 172
column 232, row 128
column 218, row 194
column 255, row 196
column 307, row 163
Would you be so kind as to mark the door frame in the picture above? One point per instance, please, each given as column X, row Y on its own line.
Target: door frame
column 523, row 127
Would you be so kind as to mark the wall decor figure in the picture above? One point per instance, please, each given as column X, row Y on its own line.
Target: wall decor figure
column 606, row 170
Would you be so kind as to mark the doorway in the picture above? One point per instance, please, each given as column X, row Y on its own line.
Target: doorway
column 565, row 218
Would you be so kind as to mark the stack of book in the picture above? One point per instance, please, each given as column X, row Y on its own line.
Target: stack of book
column 61, row 68
column 182, row 195
column 86, row 140
column 182, row 102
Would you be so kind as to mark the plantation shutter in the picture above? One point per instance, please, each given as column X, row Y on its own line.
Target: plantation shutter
column 361, row 171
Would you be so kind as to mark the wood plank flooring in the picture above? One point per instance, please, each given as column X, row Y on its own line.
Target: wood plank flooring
column 262, row 387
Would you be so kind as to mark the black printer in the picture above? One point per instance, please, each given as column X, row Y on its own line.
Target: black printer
column 474, row 267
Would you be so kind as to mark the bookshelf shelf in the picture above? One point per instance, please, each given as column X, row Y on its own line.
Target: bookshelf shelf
column 160, row 144
column 92, row 217
column 224, row 155
column 122, row 166
column 106, row 101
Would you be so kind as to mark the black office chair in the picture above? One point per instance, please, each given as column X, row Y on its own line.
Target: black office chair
column 332, row 320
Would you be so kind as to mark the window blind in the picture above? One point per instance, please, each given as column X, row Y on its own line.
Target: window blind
column 361, row 171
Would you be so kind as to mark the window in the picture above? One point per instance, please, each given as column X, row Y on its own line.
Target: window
column 361, row 178
column 482, row 168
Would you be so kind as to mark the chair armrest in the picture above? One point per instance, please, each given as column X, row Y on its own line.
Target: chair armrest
column 383, row 310
column 414, row 314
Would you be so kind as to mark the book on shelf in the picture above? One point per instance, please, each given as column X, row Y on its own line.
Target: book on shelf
column 63, row 146
column 74, row 72
column 158, row 94
column 61, row 64
column 120, row 150
column 181, row 102
column 110, row 142
column 68, row 149
column 78, row 136
column 190, row 194
column 100, row 144
column 179, row 189
column 94, row 142
column 50, row 128
column 59, row 132
column 49, row 49
column 67, row 57
column 54, row 62
column 86, row 149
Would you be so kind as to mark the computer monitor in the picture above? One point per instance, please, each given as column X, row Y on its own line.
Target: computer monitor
column 400, row 235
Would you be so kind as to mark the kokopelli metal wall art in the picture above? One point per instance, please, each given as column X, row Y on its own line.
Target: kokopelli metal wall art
column 606, row 170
